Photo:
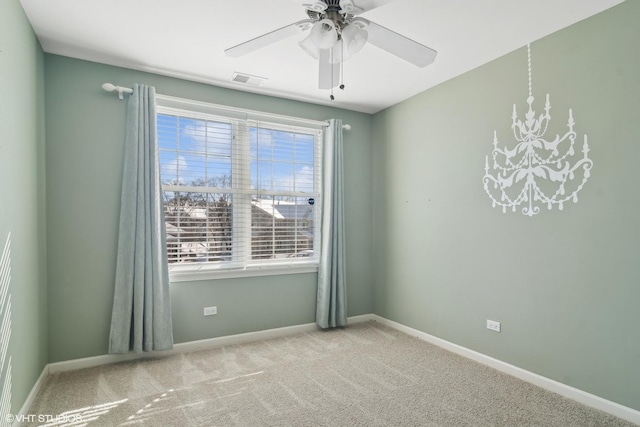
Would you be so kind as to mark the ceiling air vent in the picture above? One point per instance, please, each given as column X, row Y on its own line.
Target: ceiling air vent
column 248, row 79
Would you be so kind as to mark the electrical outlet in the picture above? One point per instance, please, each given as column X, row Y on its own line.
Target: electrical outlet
column 493, row 325
column 210, row 311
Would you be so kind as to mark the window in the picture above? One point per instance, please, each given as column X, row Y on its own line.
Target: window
column 240, row 194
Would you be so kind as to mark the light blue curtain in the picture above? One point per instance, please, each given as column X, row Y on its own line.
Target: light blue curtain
column 141, row 316
column 331, row 308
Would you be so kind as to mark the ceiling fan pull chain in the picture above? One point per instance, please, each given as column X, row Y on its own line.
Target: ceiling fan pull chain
column 342, row 66
column 331, row 64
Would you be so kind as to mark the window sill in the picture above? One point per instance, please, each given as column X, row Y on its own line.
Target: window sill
column 192, row 275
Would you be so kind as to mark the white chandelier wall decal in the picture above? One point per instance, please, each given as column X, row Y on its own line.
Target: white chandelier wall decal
column 536, row 171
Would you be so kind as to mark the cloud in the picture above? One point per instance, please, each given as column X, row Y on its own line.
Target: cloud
column 300, row 180
column 208, row 137
column 173, row 171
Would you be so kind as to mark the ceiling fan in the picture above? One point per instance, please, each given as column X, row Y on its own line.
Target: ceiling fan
column 336, row 34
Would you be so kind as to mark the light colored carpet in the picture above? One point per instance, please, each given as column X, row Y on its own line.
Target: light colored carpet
column 363, row 375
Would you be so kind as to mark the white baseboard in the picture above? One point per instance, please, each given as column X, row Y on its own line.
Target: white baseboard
column 361, row 319
column 89, row 362
column 24, row 411
column 573, row 393
column 206, row 344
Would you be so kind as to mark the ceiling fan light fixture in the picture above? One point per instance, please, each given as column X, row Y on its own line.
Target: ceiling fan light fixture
column 339, row 53
column 310, row 47
column 354, row 38
column 347, row 7
column 324, row 34
column 317, row 6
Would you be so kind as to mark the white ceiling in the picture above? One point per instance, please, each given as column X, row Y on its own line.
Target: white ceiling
column 187, row 39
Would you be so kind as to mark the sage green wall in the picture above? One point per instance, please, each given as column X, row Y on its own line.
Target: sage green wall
column 85, row 135
column 22, row 209
column 565, row 285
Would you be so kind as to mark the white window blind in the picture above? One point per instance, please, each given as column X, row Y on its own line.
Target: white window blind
column 239, row 193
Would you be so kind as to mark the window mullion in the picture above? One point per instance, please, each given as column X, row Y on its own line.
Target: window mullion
column 318, row 155
column 241, row 198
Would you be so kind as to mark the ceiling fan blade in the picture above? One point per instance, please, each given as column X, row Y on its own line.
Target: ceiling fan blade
column 367, row 5
column 400, row 46
column 269, row 38
column 329, row 74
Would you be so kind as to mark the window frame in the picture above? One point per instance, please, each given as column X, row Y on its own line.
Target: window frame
column 194, row 271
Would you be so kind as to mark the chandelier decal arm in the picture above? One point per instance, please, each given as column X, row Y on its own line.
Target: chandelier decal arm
column 542, row 168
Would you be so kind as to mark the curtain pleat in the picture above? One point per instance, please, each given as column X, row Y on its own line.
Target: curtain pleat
column 331, row 308
column 141, row 315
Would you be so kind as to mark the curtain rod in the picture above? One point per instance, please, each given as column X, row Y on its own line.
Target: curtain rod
column 110, row 87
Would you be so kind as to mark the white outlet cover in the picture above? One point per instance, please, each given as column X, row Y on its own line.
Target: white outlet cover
column 493, row 325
